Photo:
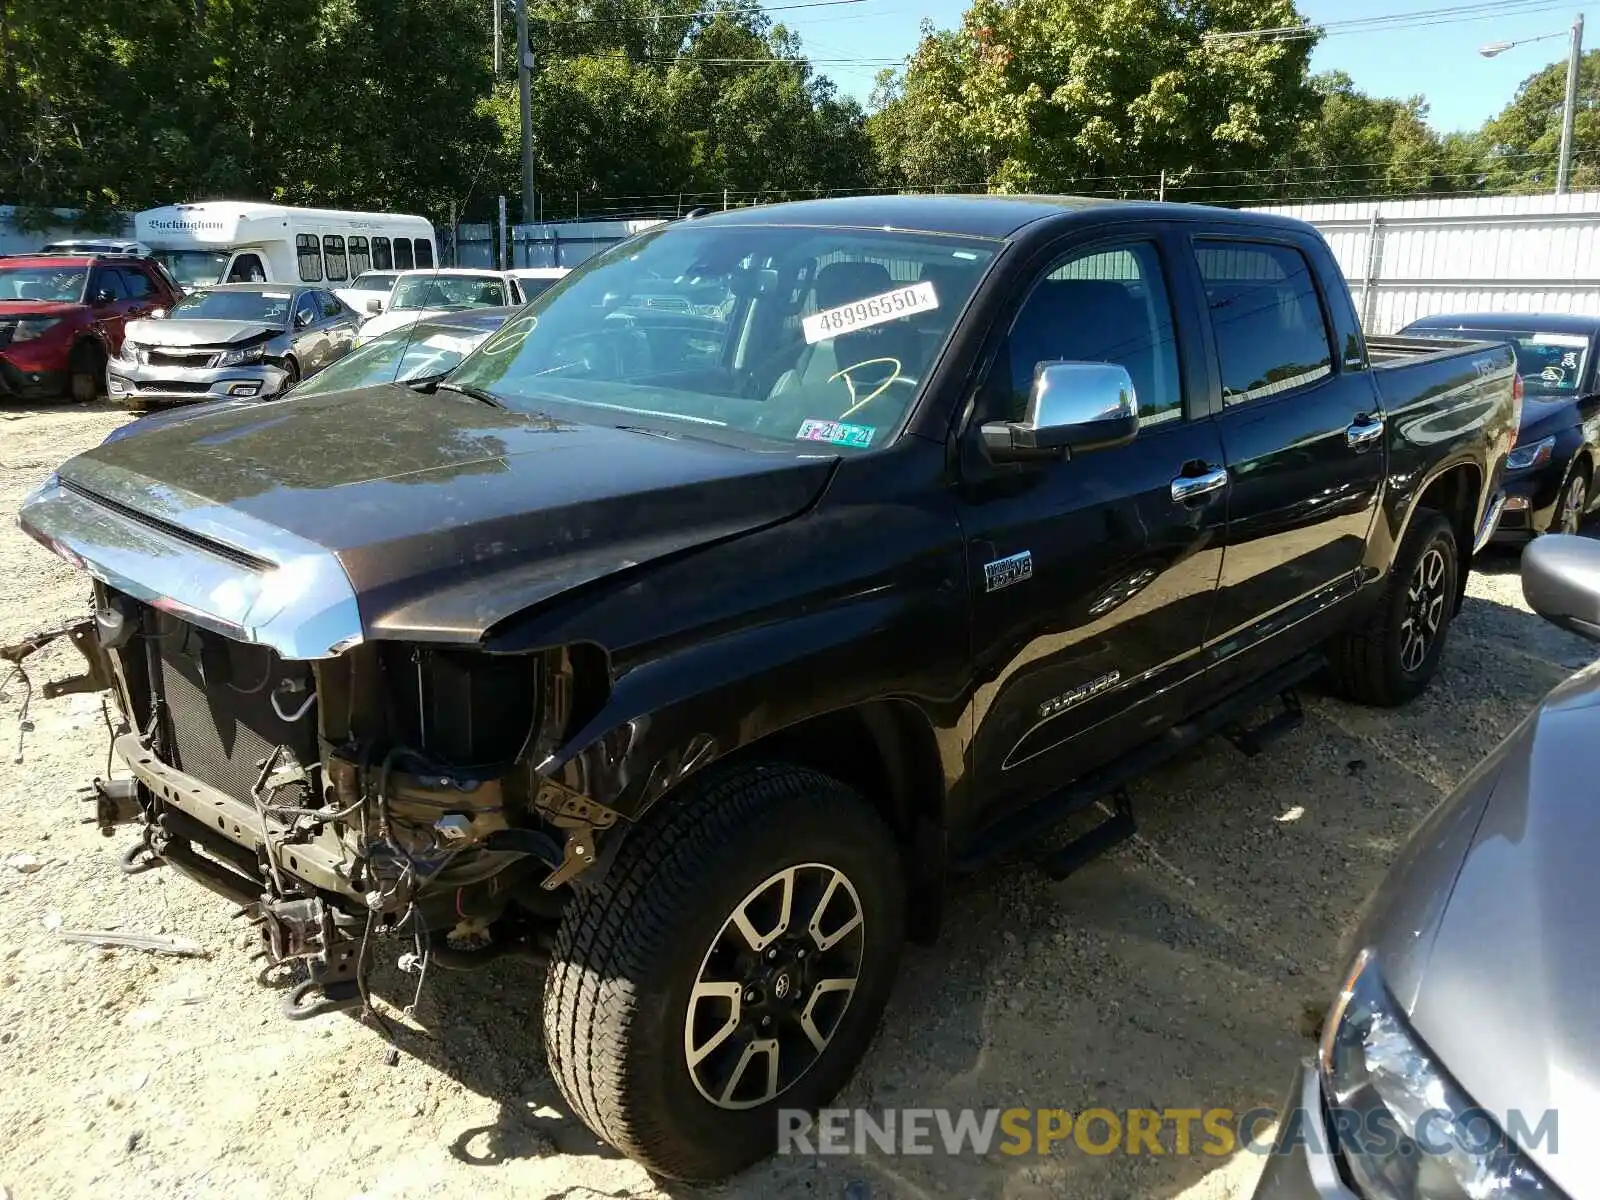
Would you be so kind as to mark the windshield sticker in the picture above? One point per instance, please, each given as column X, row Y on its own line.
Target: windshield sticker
column 1560, row 339
column 873, row 310
column 837, row 433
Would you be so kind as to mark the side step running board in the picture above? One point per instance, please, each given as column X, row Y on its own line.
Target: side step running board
column 1250, row 742
column 1084, row 849
column 1019, row 830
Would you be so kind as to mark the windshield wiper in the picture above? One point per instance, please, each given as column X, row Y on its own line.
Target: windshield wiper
column 473, row 393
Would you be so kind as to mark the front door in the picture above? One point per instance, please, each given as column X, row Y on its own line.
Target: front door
column 1303, row 435
column 1093, row 578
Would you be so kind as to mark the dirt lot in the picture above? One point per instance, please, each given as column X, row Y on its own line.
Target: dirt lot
column 1173, row 974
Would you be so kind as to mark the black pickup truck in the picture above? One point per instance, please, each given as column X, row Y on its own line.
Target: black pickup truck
column 694, row 652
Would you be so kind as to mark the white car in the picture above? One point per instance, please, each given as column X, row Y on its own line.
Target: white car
column 536, row 281
column 368, row 292
column 419, row 295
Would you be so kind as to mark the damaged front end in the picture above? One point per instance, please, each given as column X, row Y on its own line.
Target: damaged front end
column 388, row 790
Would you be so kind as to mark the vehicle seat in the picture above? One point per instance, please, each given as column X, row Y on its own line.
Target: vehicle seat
column 812, row 383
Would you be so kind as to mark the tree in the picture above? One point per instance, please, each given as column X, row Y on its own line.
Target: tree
column 1094, row 95
column 1524, row 141
column 1361, row 145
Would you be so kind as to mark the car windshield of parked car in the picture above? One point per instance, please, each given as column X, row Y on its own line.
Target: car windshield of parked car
column 423, row 351
column 373, row 281
column 267, row 307
column 63, row 284
column 745, row 334
column 447, row 292
column 1551, row 364
column 191, row 267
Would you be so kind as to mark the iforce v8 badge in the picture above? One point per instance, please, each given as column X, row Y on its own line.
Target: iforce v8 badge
column 1003, row 572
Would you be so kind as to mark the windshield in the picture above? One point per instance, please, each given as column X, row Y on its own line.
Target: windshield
column 373, row 281
column 43, row 283
column 267, row 307
column 416, row 352
column 447, row 291
column 190, row 267
column 737, row 333
column 1551, row 364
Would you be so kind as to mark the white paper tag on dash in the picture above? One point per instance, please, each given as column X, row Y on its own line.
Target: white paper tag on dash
column 873, row 310
column 1560, row 339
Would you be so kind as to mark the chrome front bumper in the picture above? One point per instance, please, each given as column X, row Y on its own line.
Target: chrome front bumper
column 146, row 383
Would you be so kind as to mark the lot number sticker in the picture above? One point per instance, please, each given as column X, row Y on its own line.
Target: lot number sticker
column 873, row 310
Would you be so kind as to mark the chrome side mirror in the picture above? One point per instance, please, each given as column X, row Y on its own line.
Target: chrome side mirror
column 374, row 307
column 1073, row 408
column 1561, row 581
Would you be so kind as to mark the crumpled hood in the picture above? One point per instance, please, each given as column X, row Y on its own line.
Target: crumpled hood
column 179, row 332
column 445, row 515
column 1508, row 994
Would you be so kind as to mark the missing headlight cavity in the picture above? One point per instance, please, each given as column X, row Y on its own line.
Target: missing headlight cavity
column 462, row 707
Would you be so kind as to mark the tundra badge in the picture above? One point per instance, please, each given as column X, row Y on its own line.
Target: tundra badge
column 1003, row 572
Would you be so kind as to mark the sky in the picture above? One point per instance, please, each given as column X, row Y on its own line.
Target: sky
column 1439, row 60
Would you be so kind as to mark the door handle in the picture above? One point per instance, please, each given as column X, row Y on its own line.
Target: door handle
column 1191, row 487
column 1364, row 432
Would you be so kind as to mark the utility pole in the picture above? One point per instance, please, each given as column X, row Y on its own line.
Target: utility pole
column 494, row 9
column 525, row 96
column 1570, row 109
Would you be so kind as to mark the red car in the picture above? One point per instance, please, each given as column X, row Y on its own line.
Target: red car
column 61, row 317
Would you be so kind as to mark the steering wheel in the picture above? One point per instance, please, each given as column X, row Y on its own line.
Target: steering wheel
column 858, row 401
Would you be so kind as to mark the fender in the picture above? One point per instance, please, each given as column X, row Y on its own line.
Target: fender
column 711, row 651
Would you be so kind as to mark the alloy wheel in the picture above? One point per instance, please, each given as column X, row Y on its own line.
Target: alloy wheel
column 773, row 988
column 1573, row 501
column 1424, row 611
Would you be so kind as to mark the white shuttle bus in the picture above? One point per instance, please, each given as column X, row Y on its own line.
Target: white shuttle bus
column 237, row 241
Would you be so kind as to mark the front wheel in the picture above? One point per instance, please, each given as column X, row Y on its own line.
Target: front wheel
column 733, row 962
column 1573, row 502
column 1390, row 659
column 87, row 372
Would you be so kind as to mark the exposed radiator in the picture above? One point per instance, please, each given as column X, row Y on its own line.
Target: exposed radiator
column 219, row 705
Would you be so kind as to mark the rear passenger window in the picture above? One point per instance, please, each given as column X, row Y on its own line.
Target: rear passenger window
column 382, row 260
column 1103, row 305
column 330, row 304
column 1271, row 334
column 333, row 254
column 360, row 257
column 424, row 252
column 402, row 254
column 309, row 255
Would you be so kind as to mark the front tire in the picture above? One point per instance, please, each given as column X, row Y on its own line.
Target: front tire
column 1573, row 503
column 1391, row 658
column 734, row 960
column 87, row 372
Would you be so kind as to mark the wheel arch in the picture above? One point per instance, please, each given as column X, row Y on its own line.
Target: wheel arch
column 1454, row 493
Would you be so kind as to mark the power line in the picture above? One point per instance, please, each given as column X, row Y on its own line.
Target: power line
column 1414, row 18
column 705, row 12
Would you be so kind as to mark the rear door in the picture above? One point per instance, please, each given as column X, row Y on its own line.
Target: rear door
column 1093, row 578
column 1303, row 434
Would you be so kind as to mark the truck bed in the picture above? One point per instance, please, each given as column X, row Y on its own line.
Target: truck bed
column 1392, row 349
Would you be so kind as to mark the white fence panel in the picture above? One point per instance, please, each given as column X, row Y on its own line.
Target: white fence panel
column 1406, row 259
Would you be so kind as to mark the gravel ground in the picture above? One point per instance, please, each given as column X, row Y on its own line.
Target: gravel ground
column 1175, row 973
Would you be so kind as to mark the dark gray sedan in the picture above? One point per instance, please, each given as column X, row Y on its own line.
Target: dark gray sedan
column 231, row 340
column 1461, row 1058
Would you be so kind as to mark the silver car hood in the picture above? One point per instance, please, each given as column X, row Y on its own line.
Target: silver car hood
column 197, row 332
column 1507, row 994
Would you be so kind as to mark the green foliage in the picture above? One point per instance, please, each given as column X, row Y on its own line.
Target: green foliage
column 1050, row 94
column 1522, row 145
column 1360, row 145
